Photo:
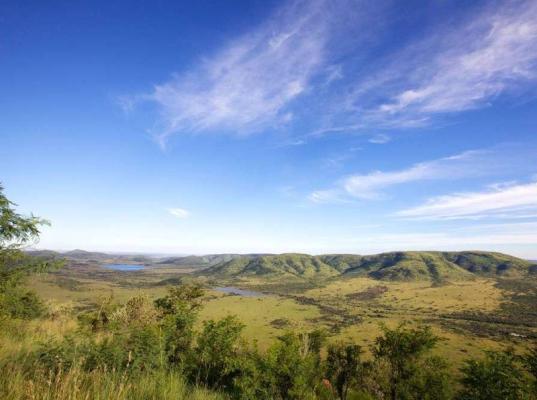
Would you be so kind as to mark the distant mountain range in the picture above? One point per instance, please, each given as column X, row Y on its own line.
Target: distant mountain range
column 83, row 255
column 405, row 265
column 434, row 266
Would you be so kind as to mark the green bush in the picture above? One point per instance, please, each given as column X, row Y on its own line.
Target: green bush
column 217, row 359
column 499, row 376
column 398, row 355
column 19, row 303
column 343, row 367
column 293, row 365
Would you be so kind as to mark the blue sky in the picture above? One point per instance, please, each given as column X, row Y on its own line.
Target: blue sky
column 272, row 126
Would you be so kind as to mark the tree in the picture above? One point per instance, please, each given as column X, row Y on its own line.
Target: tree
column 180, row 299
column 217, row 357
column 431, row 380
column 179, row 311
column 343, row 366
column 253, row 380
column 498, row 376
column 401, row 349
column 293, row 365
column 17, row 231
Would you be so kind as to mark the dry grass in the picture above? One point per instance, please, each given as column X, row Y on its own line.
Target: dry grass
column 402, row 301
column 21, row 380
column 75, row 384
column 478, row 294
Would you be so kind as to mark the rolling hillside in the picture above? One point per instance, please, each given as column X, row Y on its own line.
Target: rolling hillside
column 292, row 265
column 198, row 261
column 406, row 266
column 432, row 266
column 490, row 264
column 409, row 266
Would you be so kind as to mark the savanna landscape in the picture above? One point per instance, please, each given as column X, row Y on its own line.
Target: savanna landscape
column 268, row 200
column 436, row 325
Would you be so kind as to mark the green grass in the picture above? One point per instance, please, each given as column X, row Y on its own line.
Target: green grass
column 258, row 313
column 349, row 306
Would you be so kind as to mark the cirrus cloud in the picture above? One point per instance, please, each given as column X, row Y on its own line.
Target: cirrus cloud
column 307, row 68
column 179, row 213
column 250, row 81
column 501, row 200
column 473, row 163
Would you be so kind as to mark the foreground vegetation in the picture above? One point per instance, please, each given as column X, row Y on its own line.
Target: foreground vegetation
column 151, row 349
column 159, row 348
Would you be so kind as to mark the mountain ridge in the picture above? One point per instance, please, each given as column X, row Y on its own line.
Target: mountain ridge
column 436, row 266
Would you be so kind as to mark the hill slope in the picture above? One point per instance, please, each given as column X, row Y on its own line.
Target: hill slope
column 489, row 263
column 296, row 265
column 198, row 261
column 408, row 265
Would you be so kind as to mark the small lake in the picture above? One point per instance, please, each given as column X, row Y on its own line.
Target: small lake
column 124, row 267
column 238, row 292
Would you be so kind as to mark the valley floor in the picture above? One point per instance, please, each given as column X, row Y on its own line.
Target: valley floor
column 470, row 316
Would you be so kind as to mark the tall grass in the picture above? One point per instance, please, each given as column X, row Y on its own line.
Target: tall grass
column 17, row 383
column 23, row 379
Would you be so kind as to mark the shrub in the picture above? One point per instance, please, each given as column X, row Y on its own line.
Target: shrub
column 400, row 350
column 216, row 359
column 293, row 365
column 19, row 303
column 179, row 312
column 343, row 367
column 498, row 376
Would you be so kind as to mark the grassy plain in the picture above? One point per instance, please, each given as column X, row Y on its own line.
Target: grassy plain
column 351, row 308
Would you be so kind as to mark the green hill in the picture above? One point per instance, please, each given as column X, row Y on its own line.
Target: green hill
column 404, row 265
column 410, row 265
column 198, row 261
column 342, row 262
column 490, row 264
column 435, row 266
column 83, row 255
column 297, row 265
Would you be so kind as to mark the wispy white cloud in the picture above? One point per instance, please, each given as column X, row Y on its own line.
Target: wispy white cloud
column 308, row 68
column 179, row 213
column 252, row 79
column 336, row 161
column 504, row 160
column 456, row 70
column 510, row 200
column 370, row 186
column 327, row 196
column 380, row 139
column 333, row 73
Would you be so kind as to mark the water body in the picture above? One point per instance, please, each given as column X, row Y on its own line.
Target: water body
column 124, row 267
column 238, row 292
